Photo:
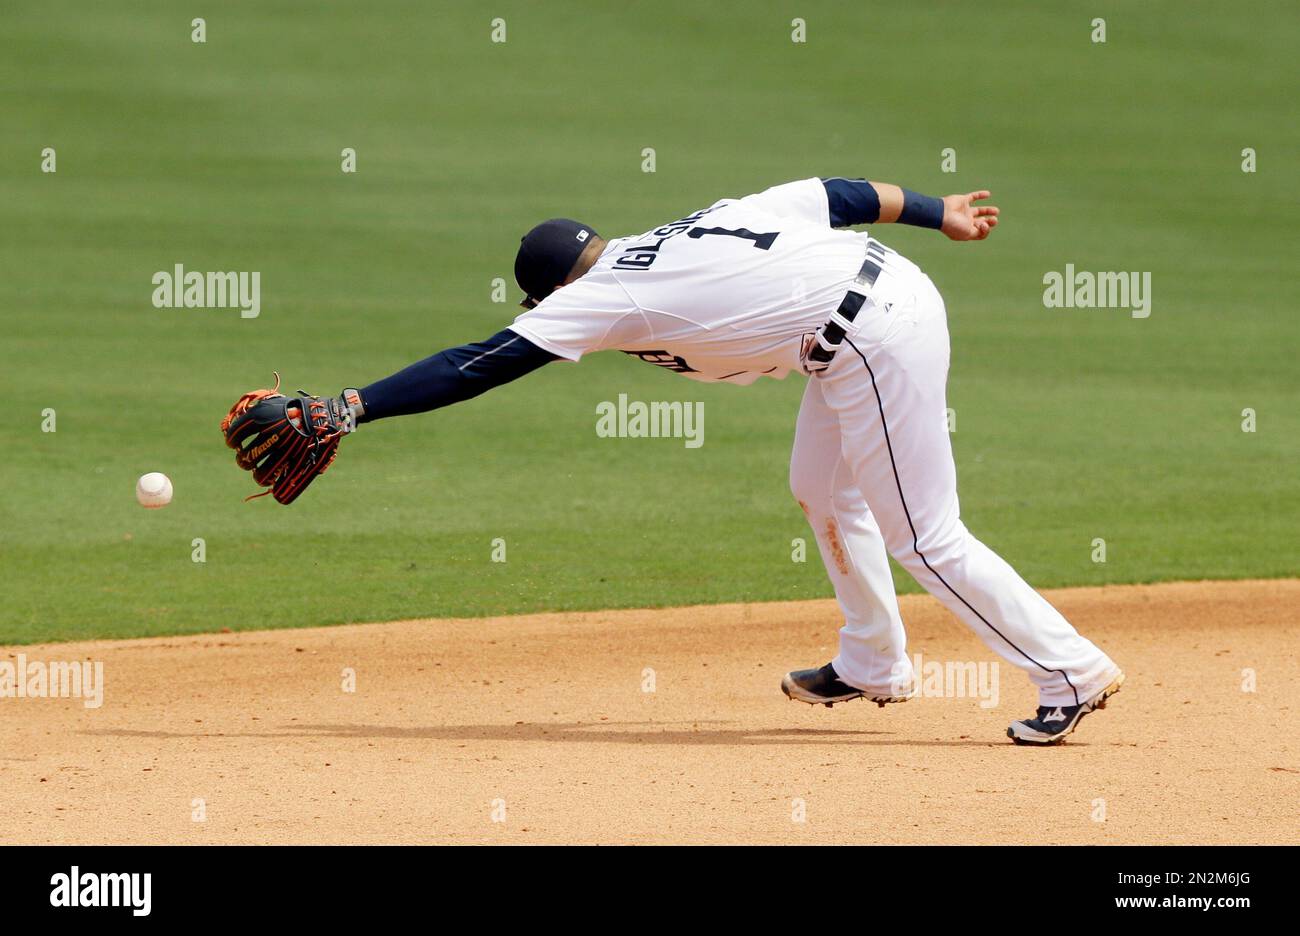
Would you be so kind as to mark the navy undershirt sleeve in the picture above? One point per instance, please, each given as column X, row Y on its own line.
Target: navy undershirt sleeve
column 453, row 375
column 851, row 201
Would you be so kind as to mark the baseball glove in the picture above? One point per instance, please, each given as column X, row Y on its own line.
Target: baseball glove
column 285, row 441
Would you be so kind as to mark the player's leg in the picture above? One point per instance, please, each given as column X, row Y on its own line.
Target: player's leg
column 887, row 387
column 872, row 654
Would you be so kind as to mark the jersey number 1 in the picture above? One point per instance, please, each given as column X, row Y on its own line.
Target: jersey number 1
column 761, row 241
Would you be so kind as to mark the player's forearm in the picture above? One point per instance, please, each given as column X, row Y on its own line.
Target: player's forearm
column 452, row 376
column 858, row 201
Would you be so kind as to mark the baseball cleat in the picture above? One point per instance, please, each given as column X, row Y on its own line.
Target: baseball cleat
column 823, row 687
column 1053, row 723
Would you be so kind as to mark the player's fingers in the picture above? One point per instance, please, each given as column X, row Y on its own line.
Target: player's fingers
column 976, row 196
column 982, row 211
column 993, row 222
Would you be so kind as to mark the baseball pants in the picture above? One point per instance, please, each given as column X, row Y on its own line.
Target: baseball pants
column 872, row 468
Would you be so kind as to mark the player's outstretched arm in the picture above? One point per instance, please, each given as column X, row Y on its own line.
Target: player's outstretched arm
column 448, row 377
column 858, row 201
column 287, row 441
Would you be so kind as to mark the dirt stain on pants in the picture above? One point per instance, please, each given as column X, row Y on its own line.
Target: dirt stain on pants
column 836, row 547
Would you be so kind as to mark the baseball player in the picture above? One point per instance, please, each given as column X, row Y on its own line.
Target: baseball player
column 758, row 287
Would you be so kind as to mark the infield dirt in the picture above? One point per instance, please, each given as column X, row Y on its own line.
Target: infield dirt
column 545, row 723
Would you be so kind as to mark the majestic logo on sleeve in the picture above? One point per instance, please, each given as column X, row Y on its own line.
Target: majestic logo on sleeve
column 664, row 359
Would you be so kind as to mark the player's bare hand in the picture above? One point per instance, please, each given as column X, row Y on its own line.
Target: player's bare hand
column 963, row 220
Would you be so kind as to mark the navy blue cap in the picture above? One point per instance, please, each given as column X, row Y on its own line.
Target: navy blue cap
column 547, row 254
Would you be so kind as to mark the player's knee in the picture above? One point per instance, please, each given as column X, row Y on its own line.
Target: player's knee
column 809, row 485
column 811, row 488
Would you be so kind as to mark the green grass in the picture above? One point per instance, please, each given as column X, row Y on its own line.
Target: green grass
column 1072, row 424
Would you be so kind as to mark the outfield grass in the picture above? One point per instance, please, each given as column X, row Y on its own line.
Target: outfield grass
column 1071, row 424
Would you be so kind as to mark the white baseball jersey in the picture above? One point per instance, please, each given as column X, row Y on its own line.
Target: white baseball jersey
column 727, row 293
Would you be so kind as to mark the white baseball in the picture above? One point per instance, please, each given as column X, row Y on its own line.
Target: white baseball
column 154, row 490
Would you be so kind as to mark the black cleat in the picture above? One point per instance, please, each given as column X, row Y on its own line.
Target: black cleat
column 823, row 687
column 1052, row 724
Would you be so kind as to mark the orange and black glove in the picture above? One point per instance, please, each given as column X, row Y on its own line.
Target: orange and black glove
column 286, row 441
